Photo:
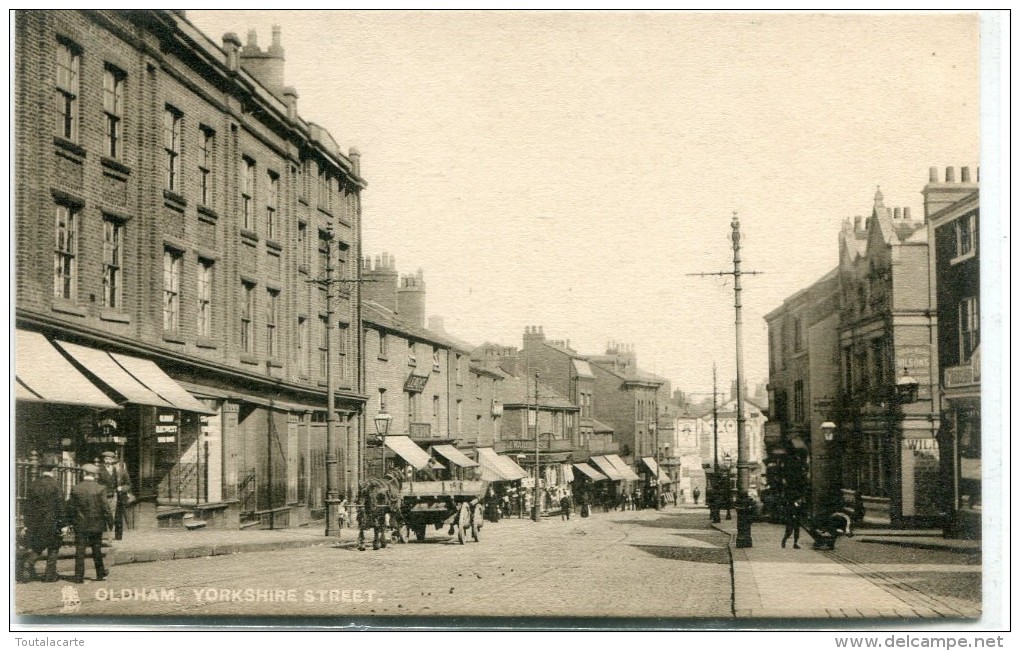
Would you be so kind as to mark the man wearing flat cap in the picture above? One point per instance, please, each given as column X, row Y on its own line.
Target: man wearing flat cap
column 113, row 476
column 89, row 512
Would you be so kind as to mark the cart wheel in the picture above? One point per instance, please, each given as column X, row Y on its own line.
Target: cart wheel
column 419, row 532
column 474, row 532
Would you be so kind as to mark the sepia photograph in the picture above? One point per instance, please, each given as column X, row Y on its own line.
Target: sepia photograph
column 509, row 320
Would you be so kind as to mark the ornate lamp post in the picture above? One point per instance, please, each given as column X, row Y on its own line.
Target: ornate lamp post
column 382, row 428
column 906, row 389
column 832, row 469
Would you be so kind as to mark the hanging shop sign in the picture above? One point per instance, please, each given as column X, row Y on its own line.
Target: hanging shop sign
column 167, row 426
column 415, row 383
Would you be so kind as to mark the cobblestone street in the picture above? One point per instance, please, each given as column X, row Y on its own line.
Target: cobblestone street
column 621, row 564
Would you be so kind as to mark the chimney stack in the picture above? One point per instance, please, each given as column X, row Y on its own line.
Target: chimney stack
column 232, row 46
column 964, row 175
column 266, row 67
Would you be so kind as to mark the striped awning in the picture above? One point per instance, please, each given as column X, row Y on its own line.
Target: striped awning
column 44, row 375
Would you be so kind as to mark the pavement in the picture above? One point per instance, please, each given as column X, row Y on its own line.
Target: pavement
column 770, row 581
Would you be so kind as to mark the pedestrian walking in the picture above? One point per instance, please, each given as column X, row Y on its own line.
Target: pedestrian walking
column 794, row 511
column 44, row 517
column 88, row 511
column 697, row 495
column 676, row 498
column 566, row 504
column 113, row 476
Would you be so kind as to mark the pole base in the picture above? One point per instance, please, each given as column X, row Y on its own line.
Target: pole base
column 332, row 518
column 743, row 540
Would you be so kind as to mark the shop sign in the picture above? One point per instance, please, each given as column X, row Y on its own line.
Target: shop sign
column 525, row 444
column 917, row 362
column 415, row 383
column 166, row 426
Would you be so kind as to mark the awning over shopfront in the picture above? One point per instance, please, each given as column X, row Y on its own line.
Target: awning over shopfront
column 113, row 374
column 498, row 468
column 510, row 467
column 652, row 466
column 409, row 451
column 455, row 456
column 608, row 468
column 589, row 472
column 622, row 468
column 146, row 372
column 43, row 372
column 664, row 478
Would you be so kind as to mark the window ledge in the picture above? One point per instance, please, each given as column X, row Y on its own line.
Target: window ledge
column 383, row 358
column 115, row 165
column 173, row 338
column 302, row 269
column 66, row 307
column 326, row 211
column 274, row 364
column 173, row 199
column 70, row 147
column 108, row 314
column 208, row 213
column 203, row 342
column 273, row 244
column 249, row 235
column 249, row 359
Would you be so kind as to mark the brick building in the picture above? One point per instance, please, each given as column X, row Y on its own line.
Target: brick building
column 172, row 211
column 422, row 378
column 889, row 449
column 803, row 385
column 953, row 211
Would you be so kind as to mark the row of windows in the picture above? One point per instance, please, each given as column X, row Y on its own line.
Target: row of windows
column 65, row 256
column 67, row 94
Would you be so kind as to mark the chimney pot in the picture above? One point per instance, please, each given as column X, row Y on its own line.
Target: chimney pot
column 933, row 175
column 857, row 223
column 897, row 213
column 964, row 175
column 252, row 38
column 906, row 213
column 950, row 175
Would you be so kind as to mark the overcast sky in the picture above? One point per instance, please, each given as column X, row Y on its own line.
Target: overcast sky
column 568, row 169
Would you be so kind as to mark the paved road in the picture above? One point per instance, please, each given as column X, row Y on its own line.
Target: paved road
column 621, row 564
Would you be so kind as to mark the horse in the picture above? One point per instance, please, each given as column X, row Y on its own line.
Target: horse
column 379, row 507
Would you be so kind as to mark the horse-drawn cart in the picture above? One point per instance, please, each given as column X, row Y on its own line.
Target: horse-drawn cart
column 457, row 503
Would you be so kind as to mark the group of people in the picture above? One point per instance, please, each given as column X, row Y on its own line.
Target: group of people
column 96, row 504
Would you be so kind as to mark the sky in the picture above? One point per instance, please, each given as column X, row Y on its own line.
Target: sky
column 570, row 169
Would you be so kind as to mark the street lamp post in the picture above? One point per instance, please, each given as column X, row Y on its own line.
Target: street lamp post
column 535, row 507
column 654, row 426
column 830, row 470
column 382, row 428
column 728, row 465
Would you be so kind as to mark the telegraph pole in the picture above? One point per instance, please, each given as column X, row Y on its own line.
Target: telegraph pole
column 743, row 464
column 535, row 506
column 332, row 498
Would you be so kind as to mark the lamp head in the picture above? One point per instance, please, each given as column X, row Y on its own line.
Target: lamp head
column 906, row 388
column 829, row 430
column 382, row 423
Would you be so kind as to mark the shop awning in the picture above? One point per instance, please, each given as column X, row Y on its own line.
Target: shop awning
column 44, row 372
column 589, row 472
column 146, row 372
column 99, row 363
column 608, row 468
column 492, row 469
column 652, row 466
column 510, row 467
column 409, row 452
column 622, row 467
column 455, row 456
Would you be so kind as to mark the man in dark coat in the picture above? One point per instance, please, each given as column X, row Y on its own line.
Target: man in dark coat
column 89, row 511
column 113, row 476
column 44, row 516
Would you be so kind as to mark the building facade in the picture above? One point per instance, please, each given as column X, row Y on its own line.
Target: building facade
column 173, row 211
column 953, row 211
column 803, row 385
